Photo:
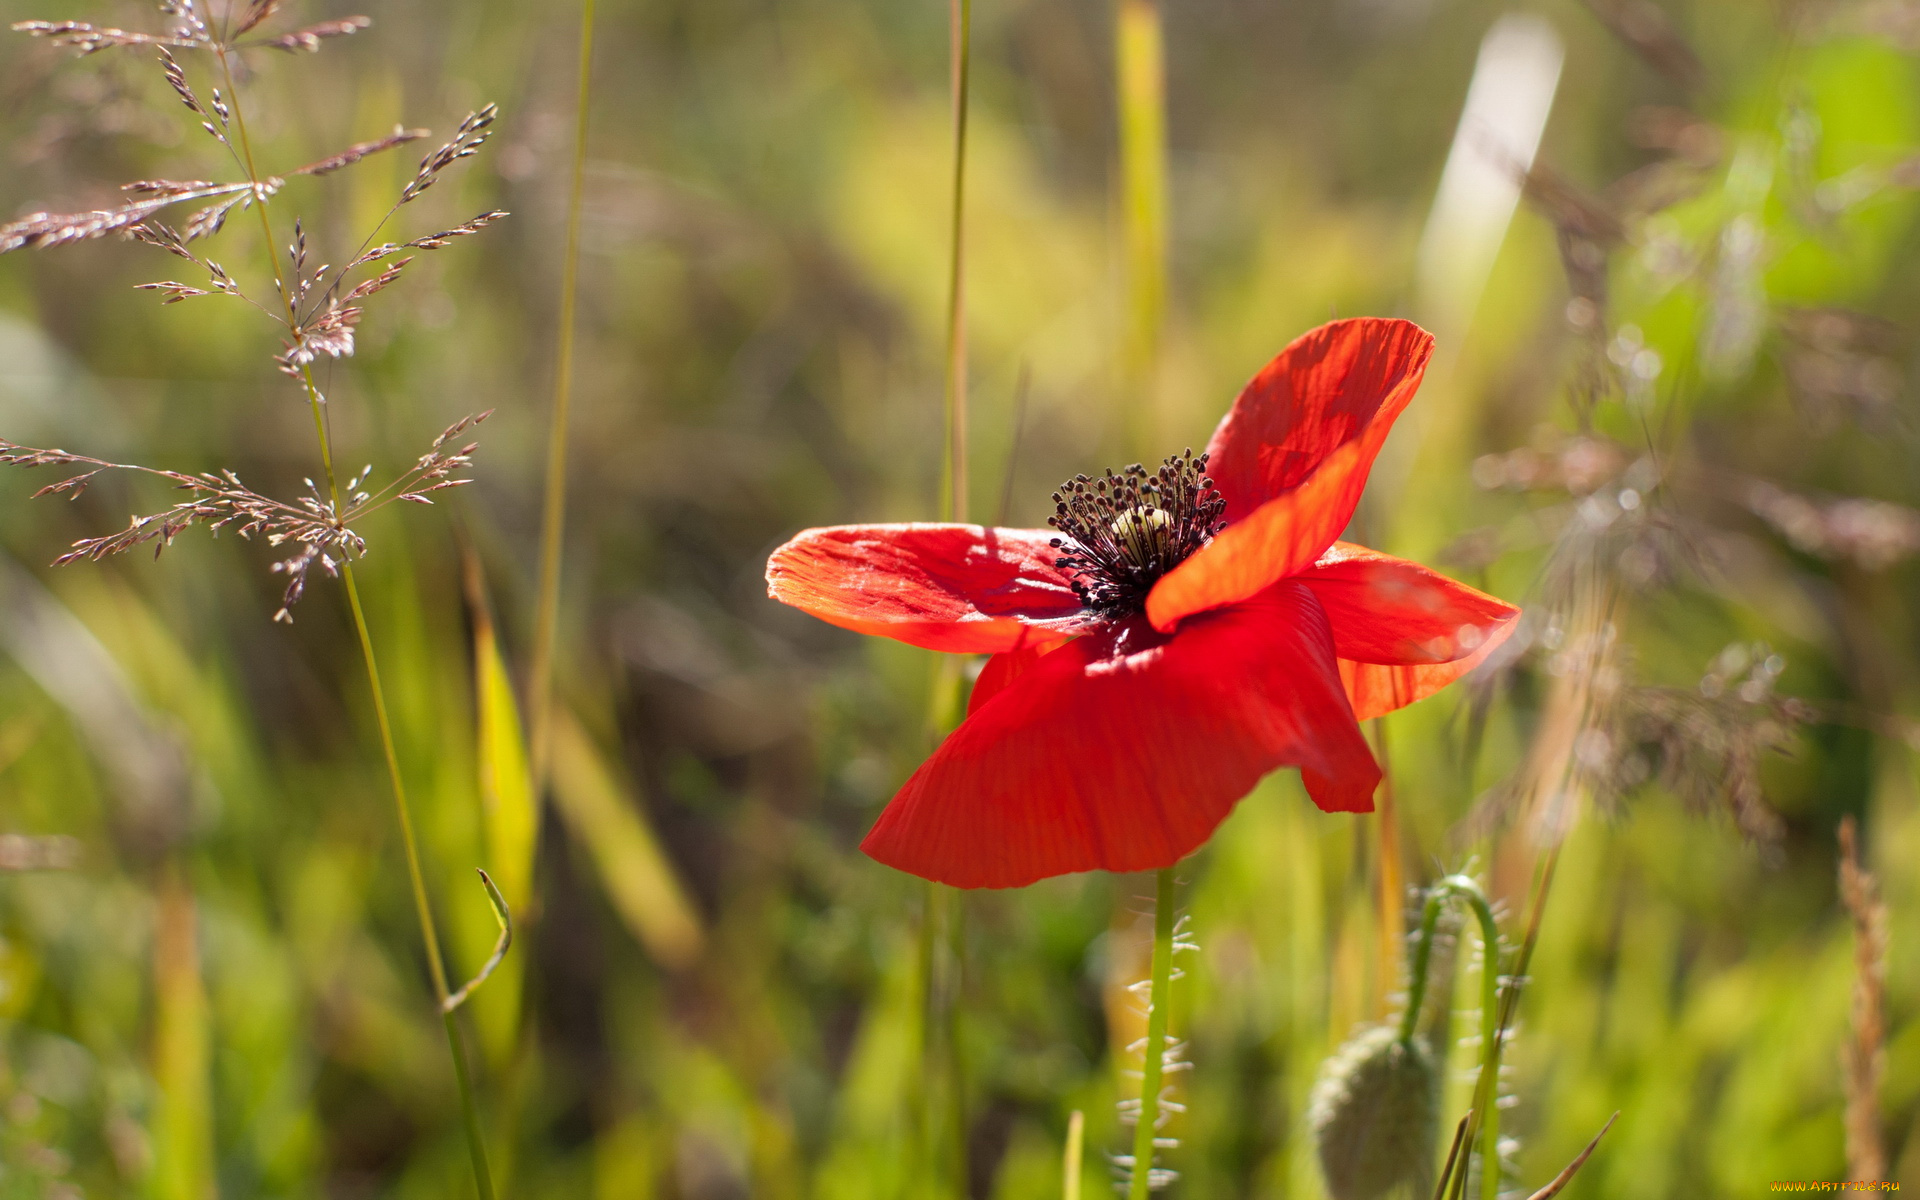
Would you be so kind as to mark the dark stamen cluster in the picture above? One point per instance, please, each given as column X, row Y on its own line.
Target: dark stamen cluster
column 1123, row 532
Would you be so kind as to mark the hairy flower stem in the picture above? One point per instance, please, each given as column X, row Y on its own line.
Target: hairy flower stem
column 1152, row 1057
column 1484, row 1119
column 553, row 518
column 436, row 964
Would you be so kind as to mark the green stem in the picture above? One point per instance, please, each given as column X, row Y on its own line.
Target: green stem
column 1153, row 1056
column 1483, row 1121
column 436, row 965
column 1140, row 78
column 956, row 1064
column 925, row 946
column 1422, row 955
column 955, row 467
column 482, row 1178
column 940, row 1133
column 1070, row 1167
column 940, row 1005
column 546, row 622
column 469, row 1113
column 1487, row 1091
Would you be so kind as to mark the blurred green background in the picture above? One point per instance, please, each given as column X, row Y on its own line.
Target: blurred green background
column 1712, row 281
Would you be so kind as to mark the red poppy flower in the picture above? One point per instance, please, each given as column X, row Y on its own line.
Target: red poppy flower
column 1181, row 634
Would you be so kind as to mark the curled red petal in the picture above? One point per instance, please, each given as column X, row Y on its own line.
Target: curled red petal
column 1292, row 457
column 959, row 588
column 1391, row 611
column 1331, row 386
column 1376, row 689
column 1124, row 749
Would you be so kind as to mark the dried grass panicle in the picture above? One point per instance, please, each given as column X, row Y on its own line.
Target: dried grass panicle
column 1704, row 745
column 317, row 320
column 359, row 150
column 91, row 39
column 187, row 19
column 1871, row 534
column 257, row 12
column 1843, row 366
column 467, row 140
column 329, row 333
column 177, row 79
column 43, row 230
column 220, row 501
column 379, row 282
column 191, row 32
column 29, row 852
column 1864, row 1057
column 172, row 291
column 432, row 241
column 163, row 236
column 1706, row 750
column 309, row 39
column 1649, row 32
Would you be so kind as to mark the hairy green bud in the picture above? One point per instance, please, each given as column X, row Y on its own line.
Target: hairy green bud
column 1374, row 1114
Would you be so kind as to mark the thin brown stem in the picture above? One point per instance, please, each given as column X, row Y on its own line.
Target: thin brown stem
column 1565, row 1177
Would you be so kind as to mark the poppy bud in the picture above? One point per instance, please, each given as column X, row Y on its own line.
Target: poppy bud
column 1373, row 1116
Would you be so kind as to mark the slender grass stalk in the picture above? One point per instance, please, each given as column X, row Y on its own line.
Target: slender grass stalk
column 1440, row 1189
column 436, row 966
column 423, row 908
column 926, row 947
column 1022, row 387
column 942, row 1112
column 1152, row 1058
column 553, row 516
column 1076, row 1148
column 956, row 1063
column 183, row 1120
column 1140, row 78
column 955, row 468
column 938, row 974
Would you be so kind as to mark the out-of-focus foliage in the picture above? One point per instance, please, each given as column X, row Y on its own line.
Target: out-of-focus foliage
column 1712, row 422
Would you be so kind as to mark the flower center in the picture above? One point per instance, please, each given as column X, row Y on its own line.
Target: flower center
column 1122, row 532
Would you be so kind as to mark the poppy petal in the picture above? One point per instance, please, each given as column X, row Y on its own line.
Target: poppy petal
column 1292, row 458
column 1331, row 386
column 1376, row 689
column 1391, row 611
column 1122, row 750
column 1000, row 672
column 965, row 589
